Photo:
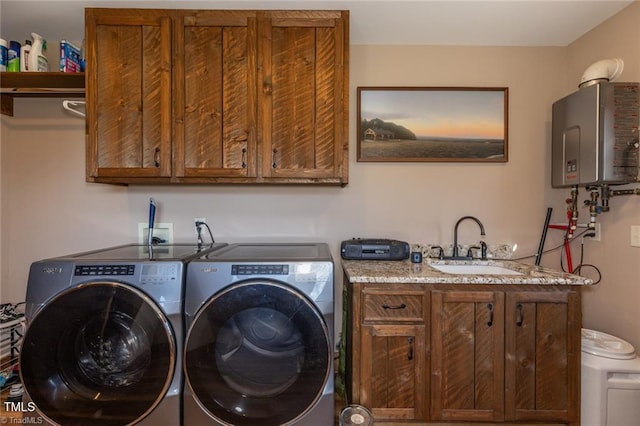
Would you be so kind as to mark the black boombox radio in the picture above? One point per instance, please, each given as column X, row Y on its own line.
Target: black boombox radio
column 374, row 249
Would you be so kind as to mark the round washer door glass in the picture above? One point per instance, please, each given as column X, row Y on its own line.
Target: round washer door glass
column 257, row 353
column 102, row 353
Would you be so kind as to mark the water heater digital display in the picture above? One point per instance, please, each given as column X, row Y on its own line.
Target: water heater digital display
column 595, row 136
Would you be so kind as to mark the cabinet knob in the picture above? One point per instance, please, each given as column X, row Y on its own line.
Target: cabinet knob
column 156, row 157
column 244, row 158
column 274, row 159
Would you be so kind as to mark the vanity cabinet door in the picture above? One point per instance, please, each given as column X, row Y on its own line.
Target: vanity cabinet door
column 467, row 355
column 392, row 367
column 543, row 356
column 128, row 94
column 388, row 350
column 215, row 94
column 303, row 100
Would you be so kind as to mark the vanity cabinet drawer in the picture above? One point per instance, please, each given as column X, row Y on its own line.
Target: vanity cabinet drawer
column 393, row 306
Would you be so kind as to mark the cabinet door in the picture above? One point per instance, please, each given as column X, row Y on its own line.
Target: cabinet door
column 543, row 356
column 392, row 367
column 304, row 95
column 467, row 355
column 215, row 94
column 128, row 93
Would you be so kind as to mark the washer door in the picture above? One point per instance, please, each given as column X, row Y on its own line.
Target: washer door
column 257, row 353
column 100, row 353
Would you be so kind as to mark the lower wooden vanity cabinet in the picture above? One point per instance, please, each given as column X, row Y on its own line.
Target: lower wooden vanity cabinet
column 391, row 345
column 464, row 353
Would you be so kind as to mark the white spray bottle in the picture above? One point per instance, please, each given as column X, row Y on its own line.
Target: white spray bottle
column 37, row 57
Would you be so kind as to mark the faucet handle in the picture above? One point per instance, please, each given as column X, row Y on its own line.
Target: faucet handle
column 483, row 250
column 470, row 251
column 440, row 251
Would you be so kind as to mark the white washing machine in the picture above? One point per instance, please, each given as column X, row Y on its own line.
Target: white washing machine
column 259, row 342
column 104, row 335
column 610, row 381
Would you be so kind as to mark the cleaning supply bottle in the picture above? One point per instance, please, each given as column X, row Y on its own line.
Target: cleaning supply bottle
column 37, row 57
column 4, row 54
column 13, row 63
column 24, row 55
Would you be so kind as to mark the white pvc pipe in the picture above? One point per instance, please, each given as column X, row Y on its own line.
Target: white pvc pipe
column 605, row 69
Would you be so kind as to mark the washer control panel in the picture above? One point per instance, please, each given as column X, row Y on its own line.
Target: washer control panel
column 155, row 272
column 105, row 270
column 159, row 272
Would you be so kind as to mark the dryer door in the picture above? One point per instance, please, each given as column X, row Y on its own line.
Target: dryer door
column 258, row 353
column 100, row 353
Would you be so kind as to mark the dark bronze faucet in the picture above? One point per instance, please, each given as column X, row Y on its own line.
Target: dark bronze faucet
column 455, row 254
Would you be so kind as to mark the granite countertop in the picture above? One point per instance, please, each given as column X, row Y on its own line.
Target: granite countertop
column 376, row 271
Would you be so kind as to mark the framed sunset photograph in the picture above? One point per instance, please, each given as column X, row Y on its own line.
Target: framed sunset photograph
column 433, row 124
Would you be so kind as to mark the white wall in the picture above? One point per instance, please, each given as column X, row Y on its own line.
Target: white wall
column 613, row 306
column 49, row 210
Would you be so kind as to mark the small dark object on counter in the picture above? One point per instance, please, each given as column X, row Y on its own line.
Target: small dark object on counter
column 374, row 249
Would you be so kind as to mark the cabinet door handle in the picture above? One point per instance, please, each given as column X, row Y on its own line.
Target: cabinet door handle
column 156, row 157
column 519, row 315
column 274, row 158
column 490, row 307
column 410, row 354
column 385, row 306
column 244, row 158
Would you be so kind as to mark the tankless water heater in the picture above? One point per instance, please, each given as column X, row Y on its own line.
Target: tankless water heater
column 595, row 136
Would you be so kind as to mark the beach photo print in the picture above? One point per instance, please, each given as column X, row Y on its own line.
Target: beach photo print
column 455, row 124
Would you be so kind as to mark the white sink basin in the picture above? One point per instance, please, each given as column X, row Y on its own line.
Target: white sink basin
column 469, row 269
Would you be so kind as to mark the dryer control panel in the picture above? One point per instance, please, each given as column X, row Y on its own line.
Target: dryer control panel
column 260, row 269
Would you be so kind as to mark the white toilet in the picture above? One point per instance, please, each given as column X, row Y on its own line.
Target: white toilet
column 610, row 381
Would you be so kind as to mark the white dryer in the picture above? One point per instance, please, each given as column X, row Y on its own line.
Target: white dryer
column 104, row 335
column 259, row 343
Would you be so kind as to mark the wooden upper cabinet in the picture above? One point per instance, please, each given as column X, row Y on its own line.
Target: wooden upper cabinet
column 215, row 94
column 303, row 99
column 128, row 93
column 206, row 96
